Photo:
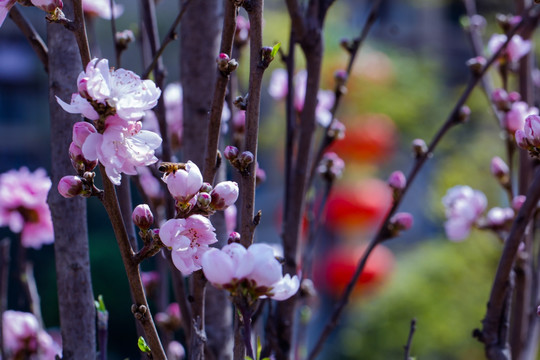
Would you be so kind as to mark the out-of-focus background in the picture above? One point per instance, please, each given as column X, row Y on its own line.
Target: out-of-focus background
column 405, row 82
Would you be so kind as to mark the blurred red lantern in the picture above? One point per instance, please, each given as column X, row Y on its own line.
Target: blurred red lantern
column 358, row 205
column 334, row 269
column 372, row 139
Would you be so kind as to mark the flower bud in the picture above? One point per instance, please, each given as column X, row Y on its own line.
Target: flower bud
column 331, row 166
column 500, row 99
column 205, row 188
column 223, row 62
column 81, row 130
column 464, row 113
column 234, row 237
column 345, row 44
column 142, row 217
column 499, row 169
column 79, row 162
column 397, row 180
column 70, row 186
column 498, row 217
column 203, row 200
column 514, row 96
column 231, row 153
column 245, row 159
column 337, row 130
column 260, row 175
column 340, row 76
column 476, row 64
column 402, row 221
column 419, row 147
column 123, row 38
column 224, row 195
column 518, row 201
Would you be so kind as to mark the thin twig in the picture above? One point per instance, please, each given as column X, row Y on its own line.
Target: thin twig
column 170, row 37
column 407, row 346
column 113, row 30
column 80, row 32
column 37, row 43
column 420, row 161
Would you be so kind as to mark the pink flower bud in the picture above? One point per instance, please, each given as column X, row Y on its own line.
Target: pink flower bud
column 397, row 180
column 205, row 188
column 340, row 76
column 175, row 351
column 419, row 147
column 231, row 153
column 402, row 221
column 476, row 64
column 514, row 96
column 70, row 186
column 234, row 237
column 497, row 217
column 500, row 99
column 203, row 200
column 79, row 162
column 260, row 175
column 224, row 195
column 464, row 114
column 518, row 201
column 499, row 169
column 521, row 140
column 142, row 217
column 48, row 5
column 245, row 158
column 81, row 130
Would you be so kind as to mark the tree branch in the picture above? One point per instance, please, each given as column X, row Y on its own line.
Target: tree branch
column 37, row 43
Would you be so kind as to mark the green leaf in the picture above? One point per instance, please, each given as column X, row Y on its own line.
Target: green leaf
column 143, row 346
column 100, row 305
column 275, row 49
column 248, row 358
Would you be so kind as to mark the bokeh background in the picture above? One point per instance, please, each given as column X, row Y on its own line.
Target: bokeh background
column 405, row 82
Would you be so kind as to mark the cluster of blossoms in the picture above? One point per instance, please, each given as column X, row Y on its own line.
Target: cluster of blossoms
column 515, row 111
column 515, row 50
column 24, row 339
column 23, row 206
column 253, row 272
column 115, row 101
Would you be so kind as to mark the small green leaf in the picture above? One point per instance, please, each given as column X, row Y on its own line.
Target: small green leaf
column 275, row 49
column 248, row 358
column 100, row 305
column 143, row 346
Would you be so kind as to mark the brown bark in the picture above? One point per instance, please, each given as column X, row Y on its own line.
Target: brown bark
column 75, row 296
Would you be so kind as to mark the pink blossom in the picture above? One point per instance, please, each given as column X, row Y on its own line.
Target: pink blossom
column 184, row 183
column 499, row 169
column 81, row 130
column 514, row 119
column 515, row 50
column 278, row 84
column 230, row 218
column 242, row 29
column 518, row 201
column 402, row 221
column 23, row 206
column 224, row 195
column 121, row 148
column 255, row 270
column 463, row 207
column 23, row 337
column 102, row 8
column 5, row 6
column 120, row 90
column 331, row 165
column 497, row 217
column 529, row 136
column 175, row 351
column 188, row 240
column 172, row 97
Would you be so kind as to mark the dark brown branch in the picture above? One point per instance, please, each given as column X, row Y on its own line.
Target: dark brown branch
column 170, row 37
column 256, row 71
column 80, row 32
column 220, row 89
column 142, row 310
column 37, row 43
column 382, row 234
column 297, row 18
column 407, row 346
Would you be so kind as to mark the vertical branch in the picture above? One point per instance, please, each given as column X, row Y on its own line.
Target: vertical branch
column 71, row 250
column 256, row 71
column 290, row 118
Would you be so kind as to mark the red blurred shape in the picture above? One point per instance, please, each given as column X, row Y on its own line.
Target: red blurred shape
column 358, row 205
column 372, row 139
column 333, row 272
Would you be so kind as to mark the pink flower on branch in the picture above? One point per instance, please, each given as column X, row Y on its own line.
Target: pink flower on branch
column 515, row 50
column 102, row 8
column 184, row 184
column 188, row 239
column 23, row 206
column 254, row 271
column 464, row 207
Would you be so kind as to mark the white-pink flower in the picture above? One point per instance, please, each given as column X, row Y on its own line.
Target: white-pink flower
column 101, row 87
column 48, row 5
column 463, row 207
column 102, row 8
column 23, row 338
column 515, row 50
column 121, row 148
column 224, row 195
column 514, row 119
column 185, row 183
column 188, row 240
column 529, row 136
column 5, row 6
column 23, row 206
column 254, row 269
